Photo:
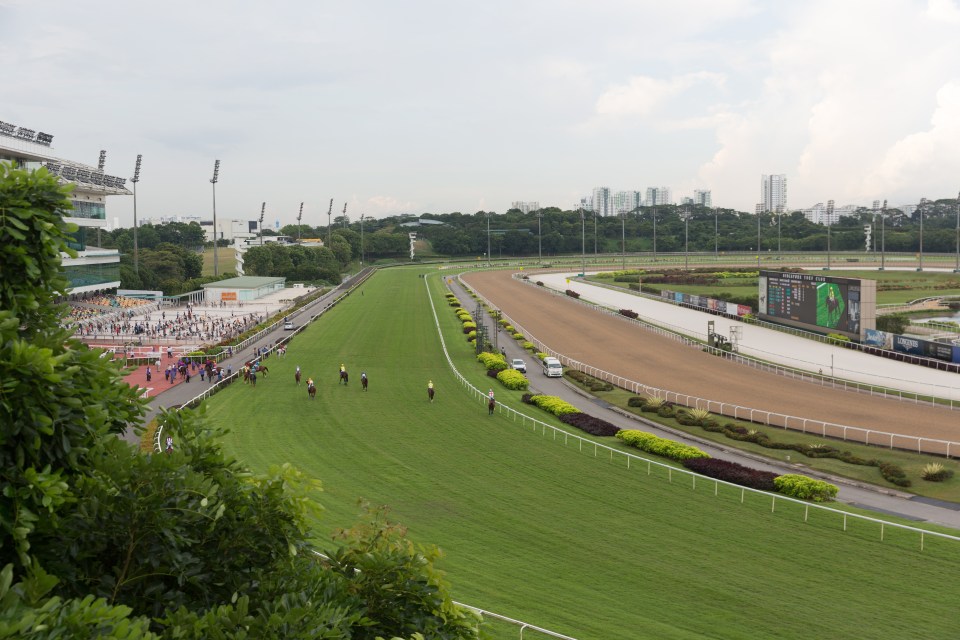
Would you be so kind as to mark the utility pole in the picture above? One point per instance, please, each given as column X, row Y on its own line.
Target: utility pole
column 540, row 235
column 829, row 224
column 263, row 209
column 923, row 203
column 883, row 235
column 361, row 239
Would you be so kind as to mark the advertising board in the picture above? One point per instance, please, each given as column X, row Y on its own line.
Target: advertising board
column 818, row 303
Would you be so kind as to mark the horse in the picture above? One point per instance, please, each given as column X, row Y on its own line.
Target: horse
column 344, row 377
column 364, row 382
column 262, row 369
column 297, row 377
column 430, row 393
column 312, row 391
column 491, row 405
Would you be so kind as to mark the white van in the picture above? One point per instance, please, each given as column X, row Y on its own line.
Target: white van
column 552, row 368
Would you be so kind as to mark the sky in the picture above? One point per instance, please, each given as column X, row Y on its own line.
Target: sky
column 438, row 106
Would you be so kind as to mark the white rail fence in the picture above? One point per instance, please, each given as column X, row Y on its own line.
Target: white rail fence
column 739, row 412
column 695, row 480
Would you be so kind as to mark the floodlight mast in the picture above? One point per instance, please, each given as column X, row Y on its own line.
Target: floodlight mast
column 957, row 268
column 923, row 203
column 361, row 239
column 213, row 181
column 136, row 247
column 829, row 223
column 299, row 218
column 329, row 213
column 344, row 214
column 883, row 236
column 263, row 209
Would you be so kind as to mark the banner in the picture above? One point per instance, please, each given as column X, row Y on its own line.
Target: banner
column 880, row 339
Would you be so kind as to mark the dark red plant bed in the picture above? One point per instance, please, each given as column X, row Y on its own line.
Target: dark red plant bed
column 732, row 472
column 592, row 425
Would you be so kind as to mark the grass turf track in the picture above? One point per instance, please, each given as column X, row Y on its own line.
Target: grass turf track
column 539, row 531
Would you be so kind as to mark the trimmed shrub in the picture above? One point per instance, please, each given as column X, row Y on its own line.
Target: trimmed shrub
column 636, row 401
column 469, row 326
column 630, row 314
column 513, row 379
column 492, row 361
column 529, row 346
column 659, row 446
column 472, row 336
column 539, row 283
column 541, row 355
column 591, row 424
column 894, row 474
column 732, row 472
column 553, row 404
column 804, row 488
column 518, row 336
column 572, row 293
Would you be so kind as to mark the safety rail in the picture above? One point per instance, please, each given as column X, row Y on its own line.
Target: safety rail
column 670, row 470
column 738, row 412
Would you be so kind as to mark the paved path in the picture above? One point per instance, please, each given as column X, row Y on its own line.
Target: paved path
column 618, row 344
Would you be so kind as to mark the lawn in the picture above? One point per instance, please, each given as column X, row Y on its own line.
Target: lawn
column 552, row 535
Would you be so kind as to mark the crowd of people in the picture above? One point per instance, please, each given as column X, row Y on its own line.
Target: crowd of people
column 186, row 325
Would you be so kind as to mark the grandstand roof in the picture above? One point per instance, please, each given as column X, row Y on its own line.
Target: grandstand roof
column 244, row 282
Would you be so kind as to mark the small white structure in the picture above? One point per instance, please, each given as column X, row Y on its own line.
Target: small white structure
column 413, row 238
column 242, row 289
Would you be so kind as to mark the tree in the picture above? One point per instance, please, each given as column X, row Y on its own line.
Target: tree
column 100, row 541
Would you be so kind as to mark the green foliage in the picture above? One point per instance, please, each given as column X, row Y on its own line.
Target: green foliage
column 518, row 336
column 804, row 488
column 553, row 404
column 492, row 361
column 513, row 379
column 659, row 446
column 529, row 346
column 935, row 472
column 837, row 338
column 893, row 322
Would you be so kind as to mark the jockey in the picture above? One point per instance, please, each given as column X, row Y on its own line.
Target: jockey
column 298, row 368
column 309, row 382
column 363, row 375
column 342, row 367
column 430, row 384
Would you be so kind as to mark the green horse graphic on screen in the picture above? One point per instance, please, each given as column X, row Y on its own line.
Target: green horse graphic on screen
column 830, row 305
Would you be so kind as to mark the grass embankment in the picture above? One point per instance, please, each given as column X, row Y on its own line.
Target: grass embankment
column 551, row 535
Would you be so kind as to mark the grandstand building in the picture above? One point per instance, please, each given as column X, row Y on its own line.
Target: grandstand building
column 94, row 268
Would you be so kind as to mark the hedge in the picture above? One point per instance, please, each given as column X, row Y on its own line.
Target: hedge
column 797, row 486
column 591, row 424
column 513, row 379
column 732, row 472
column 552, row 404
column 660, row 446
column 492, row 361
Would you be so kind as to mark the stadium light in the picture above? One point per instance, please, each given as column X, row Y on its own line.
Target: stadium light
column 329, row 213
column 361, row 239
column 957, row 268
column 263, row 209
column 136, row 247
column 686, row 239
column 299, row 218
column 883, row 235
column 923, row 203
column 829, row 223
column 540, row 235
column 654, row 234
column 216, row 239
column 489, row 256
column 623, row 238
column 716, row 236
column 583, row 243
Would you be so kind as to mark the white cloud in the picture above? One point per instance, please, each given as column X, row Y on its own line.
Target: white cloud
column 643, row 95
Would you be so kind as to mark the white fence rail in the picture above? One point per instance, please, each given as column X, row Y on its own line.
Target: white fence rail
column 695, row 479
column 772, row 418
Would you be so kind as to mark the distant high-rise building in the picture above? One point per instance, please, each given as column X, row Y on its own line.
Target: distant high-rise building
column 525, row 207
column 773, row 192
column 657, row 196
column 602, row 204
column 702, row 197
column 626, row 201
column 686, row 201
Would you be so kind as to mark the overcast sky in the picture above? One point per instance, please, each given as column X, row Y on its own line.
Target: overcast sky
column 439, row 106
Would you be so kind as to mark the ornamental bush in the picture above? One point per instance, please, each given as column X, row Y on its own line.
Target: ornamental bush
column 732, row 472
column 513, row 379
column 492, row 361
column 660, row 446
column 518, row 336
column 529, row 346
column 469, row 326
column 804, row 488
column 553, row 404
column 628, row 313
column 572, row 293
column 591, row 424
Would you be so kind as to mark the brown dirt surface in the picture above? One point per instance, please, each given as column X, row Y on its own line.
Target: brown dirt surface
column 613, row 344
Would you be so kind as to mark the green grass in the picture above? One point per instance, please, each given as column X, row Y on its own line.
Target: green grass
column 543, row 532
column 911, row 463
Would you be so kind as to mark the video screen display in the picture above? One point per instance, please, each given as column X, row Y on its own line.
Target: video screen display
column 820, row 302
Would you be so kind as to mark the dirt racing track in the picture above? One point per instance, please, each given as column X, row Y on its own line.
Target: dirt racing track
column 613, row 344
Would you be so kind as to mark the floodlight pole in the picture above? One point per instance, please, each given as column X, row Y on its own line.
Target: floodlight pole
column 716, row 236
column 489, row 255
column 299, row 228
column 654, row 234
column 136, row 245
column 583, row 243
column 759, row 208
column 329, row 213
column 263, row 209
column 540, row 235
column 923, row 202
column 883, row 235
column 213, row 181
column 361, row 238
column 623, row 238
column 829, row 224
column 686, row 241
column 595, row 216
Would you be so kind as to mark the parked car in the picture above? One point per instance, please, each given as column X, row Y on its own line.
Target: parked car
column 519, row 365
column 288, row 324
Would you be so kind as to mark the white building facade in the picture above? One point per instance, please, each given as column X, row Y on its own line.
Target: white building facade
column 773, row 192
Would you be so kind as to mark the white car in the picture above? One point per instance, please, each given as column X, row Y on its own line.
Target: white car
column 519, row 365
column 287, row 325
